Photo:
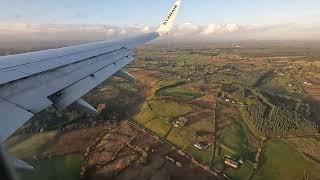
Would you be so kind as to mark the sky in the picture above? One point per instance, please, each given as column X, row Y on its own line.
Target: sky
column 214, row 18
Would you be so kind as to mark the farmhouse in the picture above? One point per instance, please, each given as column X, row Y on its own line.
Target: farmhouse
column 307, row 83
column 201, row 145
column 232, row 162
column 180, row 122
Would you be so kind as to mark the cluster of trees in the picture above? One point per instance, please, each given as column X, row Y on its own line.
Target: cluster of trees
column 205, row 52
column 262, row 77
column 270, row 115
column 300, row 106
column 279, row 121
column 241, row 77
column 52, row 119
column 114, row 113
column 229, row 88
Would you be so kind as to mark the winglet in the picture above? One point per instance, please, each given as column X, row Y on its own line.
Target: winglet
column 167, row 24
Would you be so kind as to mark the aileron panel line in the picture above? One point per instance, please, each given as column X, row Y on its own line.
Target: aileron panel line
column 82, row 87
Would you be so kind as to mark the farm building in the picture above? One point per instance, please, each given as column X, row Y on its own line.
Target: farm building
column 201, row 145
column 232, row 162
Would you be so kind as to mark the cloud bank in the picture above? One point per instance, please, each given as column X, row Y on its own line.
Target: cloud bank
column 189, row 31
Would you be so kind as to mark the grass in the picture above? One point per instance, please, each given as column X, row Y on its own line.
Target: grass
column 203, row 126
column 128, row 87
column 244, row 172
column 251, row 125
column 160, row 126
column 234, row 137
column 219, row 158
column 34, row 145
column 181, row 136
column 170, row 82
column 252, row 142
column 13, row 140
column 204, row 156
column 169, row 109
column 279, row 84
column 57, row 168
column 310, row 146
column 227, row 150
column 280, row 160
column 144, row 115
column 184, row 94
column 314, row 174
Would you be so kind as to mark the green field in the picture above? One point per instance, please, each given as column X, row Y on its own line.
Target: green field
column 159, row 125
column 279, row 84
column 171, row 82
column 182, row 93
column 127, row 87
column 181, row 137
column 309, row 146
column 33, row 145
column 234, row 137
column 244, row 172
column 57, row 168
column 145, row 114
column 202, row 126
column 203, row 156
column 169, row 109
column 281, row 161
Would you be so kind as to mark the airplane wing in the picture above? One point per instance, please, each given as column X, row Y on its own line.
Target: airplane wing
column 31, row 82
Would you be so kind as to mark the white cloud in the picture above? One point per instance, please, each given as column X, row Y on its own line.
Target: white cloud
column 211, row 29
column 146, row 29
column 123, row 32
column 232, row 28
column 186, row 31
column 110, row 31
column 15, row 28
column 220, row 29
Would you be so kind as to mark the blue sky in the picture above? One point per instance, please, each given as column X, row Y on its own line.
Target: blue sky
column 149, row 12
column 198, row 19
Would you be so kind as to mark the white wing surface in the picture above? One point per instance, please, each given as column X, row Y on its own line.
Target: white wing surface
column 31, row 82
